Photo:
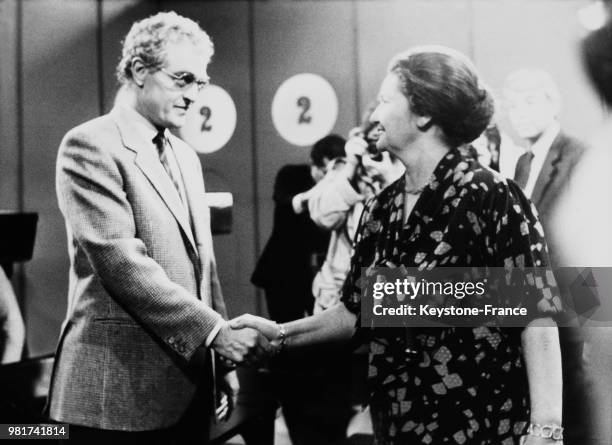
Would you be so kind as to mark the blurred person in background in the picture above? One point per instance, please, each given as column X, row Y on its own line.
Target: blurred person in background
column 311, row 387
column 583, row 221
column 496, row 150
column 296, row 246
column 545, row 173
column 336, row 204
column 12, row 329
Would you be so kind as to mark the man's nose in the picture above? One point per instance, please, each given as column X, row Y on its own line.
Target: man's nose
column 190, row 93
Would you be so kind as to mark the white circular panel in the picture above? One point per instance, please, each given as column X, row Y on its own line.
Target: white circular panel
column 211, row 121
column 304, row 109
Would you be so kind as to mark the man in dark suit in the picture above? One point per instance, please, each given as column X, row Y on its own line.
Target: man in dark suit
column 145, row 306
column 296, row 247
column 544, row 172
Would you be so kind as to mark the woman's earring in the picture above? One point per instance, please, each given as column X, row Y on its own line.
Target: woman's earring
column 424, row 123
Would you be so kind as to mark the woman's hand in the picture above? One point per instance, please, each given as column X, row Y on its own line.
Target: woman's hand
column 268, row 328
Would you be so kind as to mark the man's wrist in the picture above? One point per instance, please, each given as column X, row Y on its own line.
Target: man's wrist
column 210, row 339
column 298, row 203
column 352, row 159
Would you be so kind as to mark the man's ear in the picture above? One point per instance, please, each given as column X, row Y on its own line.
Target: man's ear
column 139, row 71
column 555, row 107
column 424, row 123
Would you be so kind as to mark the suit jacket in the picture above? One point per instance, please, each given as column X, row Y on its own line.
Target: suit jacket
column 552, row 183
column 285, row 269
column 143, row 287
column 554, row 180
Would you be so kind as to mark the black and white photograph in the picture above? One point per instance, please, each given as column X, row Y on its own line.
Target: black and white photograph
column 306, row 222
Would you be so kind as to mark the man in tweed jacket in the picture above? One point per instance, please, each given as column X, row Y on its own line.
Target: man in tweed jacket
column 144, row 298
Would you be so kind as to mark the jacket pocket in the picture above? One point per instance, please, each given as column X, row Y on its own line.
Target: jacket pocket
column 116, row 321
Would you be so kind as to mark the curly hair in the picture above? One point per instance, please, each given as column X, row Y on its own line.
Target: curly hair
column 443, row 84
column 147, row 40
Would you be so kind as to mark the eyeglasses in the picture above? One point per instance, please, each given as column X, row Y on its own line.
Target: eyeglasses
column 185, row 79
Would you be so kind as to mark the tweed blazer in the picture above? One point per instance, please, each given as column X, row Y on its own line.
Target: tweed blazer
column 143, row 287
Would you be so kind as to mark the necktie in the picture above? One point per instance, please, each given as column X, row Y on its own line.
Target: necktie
column 523, row 168
column 161, row 143
column 163, row 146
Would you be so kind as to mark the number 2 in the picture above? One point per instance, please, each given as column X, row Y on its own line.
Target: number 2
column 207, row 113
column 304, row 103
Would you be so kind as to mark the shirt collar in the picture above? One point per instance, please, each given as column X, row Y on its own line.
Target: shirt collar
column 143, row 126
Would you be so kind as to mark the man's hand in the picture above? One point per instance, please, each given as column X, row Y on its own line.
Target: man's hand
column 246, row 346
column 355, row 146
column 229, row 388
column 267, row 327
column 299, row 202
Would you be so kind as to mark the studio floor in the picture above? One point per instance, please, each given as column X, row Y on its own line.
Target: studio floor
column 360, row 428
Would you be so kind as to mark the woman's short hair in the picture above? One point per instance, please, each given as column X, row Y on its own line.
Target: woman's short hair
column 147, row 40
column 443, row 84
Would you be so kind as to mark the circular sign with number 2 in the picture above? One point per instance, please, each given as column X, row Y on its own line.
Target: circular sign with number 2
column 211, row 121
column 304, row 109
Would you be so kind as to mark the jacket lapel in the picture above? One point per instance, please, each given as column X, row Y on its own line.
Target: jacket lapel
column 549, row 171
column 200, row 216
column 155, row 173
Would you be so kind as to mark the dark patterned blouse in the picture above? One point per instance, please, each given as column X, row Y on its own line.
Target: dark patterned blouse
column 463, row 385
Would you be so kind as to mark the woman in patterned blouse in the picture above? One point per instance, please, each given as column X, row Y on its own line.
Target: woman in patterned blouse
column 450, row 385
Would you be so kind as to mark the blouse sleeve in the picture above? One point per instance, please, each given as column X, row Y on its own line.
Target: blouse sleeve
column 515, row 242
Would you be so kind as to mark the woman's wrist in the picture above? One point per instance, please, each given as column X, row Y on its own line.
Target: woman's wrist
column 552, row 431
column 280, row 341
column 352, row 161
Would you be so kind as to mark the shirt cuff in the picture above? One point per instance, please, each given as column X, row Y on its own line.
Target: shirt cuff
column 214, row 332
column 297, row 202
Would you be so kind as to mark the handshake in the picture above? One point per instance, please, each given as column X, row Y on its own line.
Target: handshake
column 249, row 339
